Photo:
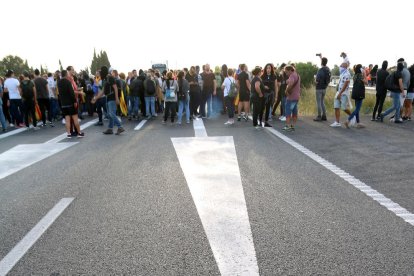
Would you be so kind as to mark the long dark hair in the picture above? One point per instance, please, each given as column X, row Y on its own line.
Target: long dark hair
column 180, row 77
column 224, row 70
column 169, row 77
column 272, row 70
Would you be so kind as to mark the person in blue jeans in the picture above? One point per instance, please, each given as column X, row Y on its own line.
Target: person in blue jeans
column 150, row 86
column 358, row 94
column 183, row 98
column 110, row 89
column 395, row 95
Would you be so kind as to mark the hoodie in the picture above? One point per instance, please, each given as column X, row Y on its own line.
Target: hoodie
column 382, row 74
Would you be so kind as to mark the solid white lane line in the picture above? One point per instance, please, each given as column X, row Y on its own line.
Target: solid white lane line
column 10, row 260
column 140, row 125
column 12, row 132
column 216, row 187
column 199, row 129
column 63, row 136
column 367, row 190
column 22, row 156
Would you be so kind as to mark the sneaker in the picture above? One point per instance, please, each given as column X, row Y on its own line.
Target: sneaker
column 317, row 119
column 335, row 124
column 267, row 124
column 69, row 136
column 188, row 122
column 31, row 126
column 346, row 123
column 353, row 121
column 399, row 121
column 286, row 128
column 81, row 135
column 99, row 124
column 108, row 131
column 11, row 125
column 179, row 123
column 239, row 118
column 283, row 119
column 51, row 124
column 258, row 127
column 246, row 117
column 63, row 121
column 228, row 122
column 120, row 130
column 323, row 118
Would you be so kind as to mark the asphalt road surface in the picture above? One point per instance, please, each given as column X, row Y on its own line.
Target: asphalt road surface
column 235, row 201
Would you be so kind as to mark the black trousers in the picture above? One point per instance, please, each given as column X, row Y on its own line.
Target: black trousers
column 29, row 109
column 267, row 106
column 44, row 105
column 170, row 107
column 379, row 103
column 258, row 108
column 195, row 99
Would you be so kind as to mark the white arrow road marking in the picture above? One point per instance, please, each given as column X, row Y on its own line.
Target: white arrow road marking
column 22, row 156
column 367, row 190
column 140, row 125
column 11, row 259
column 212, row 172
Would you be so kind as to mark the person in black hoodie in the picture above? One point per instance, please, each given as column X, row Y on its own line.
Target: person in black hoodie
column 323, row 78
column 136, row 88
column 382, row 74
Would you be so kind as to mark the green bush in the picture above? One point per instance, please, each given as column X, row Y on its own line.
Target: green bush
column 307, row 72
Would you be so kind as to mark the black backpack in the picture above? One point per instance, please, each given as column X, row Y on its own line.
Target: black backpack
column 390, row 82
column 27, row 90
column 327, row 76
column 358, row 90
column 150, row 87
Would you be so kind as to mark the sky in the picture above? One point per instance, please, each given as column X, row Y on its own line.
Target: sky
column 136, row 34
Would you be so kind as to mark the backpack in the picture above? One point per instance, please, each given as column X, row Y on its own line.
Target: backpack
column 327, row 77
column 358, row 90
column 390, row 82
column 233, row 89
column 181, row 93
column 150, row 87
column 27, row 90
column 170, row 92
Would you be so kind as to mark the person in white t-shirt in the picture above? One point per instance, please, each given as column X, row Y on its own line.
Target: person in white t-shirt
column 12, row 85
column 227, row 85
column 345, row 62
column 342, row 95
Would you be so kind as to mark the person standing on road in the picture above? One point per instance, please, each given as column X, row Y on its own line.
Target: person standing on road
column 396, row 91
column 2, row 117
column 292, row 97
column 281, row 96
column 110, row 89
column 341, row 100
column 270, row 84
column 170, row 89
column 183, row 98
column 410, row 95
column 229, row 87
column 192, row 79
column 406, row 83
column 11, row 85
column 358, row 94
column 209, row 89
column 257, row 97
column 323, row 78
column 134, row 89
column 28, row 91
column 150, row 86
column 69, row 105
column 243, row 84
column 381, row 94
column 42, row 92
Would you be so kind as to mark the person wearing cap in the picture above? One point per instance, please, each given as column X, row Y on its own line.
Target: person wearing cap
column 15, row 102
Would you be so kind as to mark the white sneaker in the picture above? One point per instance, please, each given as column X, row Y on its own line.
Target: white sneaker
column 283, row 118
column 352, row 122
column 11, row 125
column 335, row 124
column 63, row 121
column 228, row 123
column 31, row 126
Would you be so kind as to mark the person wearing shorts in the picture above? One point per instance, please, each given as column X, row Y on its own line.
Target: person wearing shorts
column 342, row 96
column 292, row 98
column 69, row 104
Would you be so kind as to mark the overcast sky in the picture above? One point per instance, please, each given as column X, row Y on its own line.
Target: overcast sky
column 191, row 32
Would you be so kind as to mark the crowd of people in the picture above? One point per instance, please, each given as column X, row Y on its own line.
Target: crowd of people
column 196, row 93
